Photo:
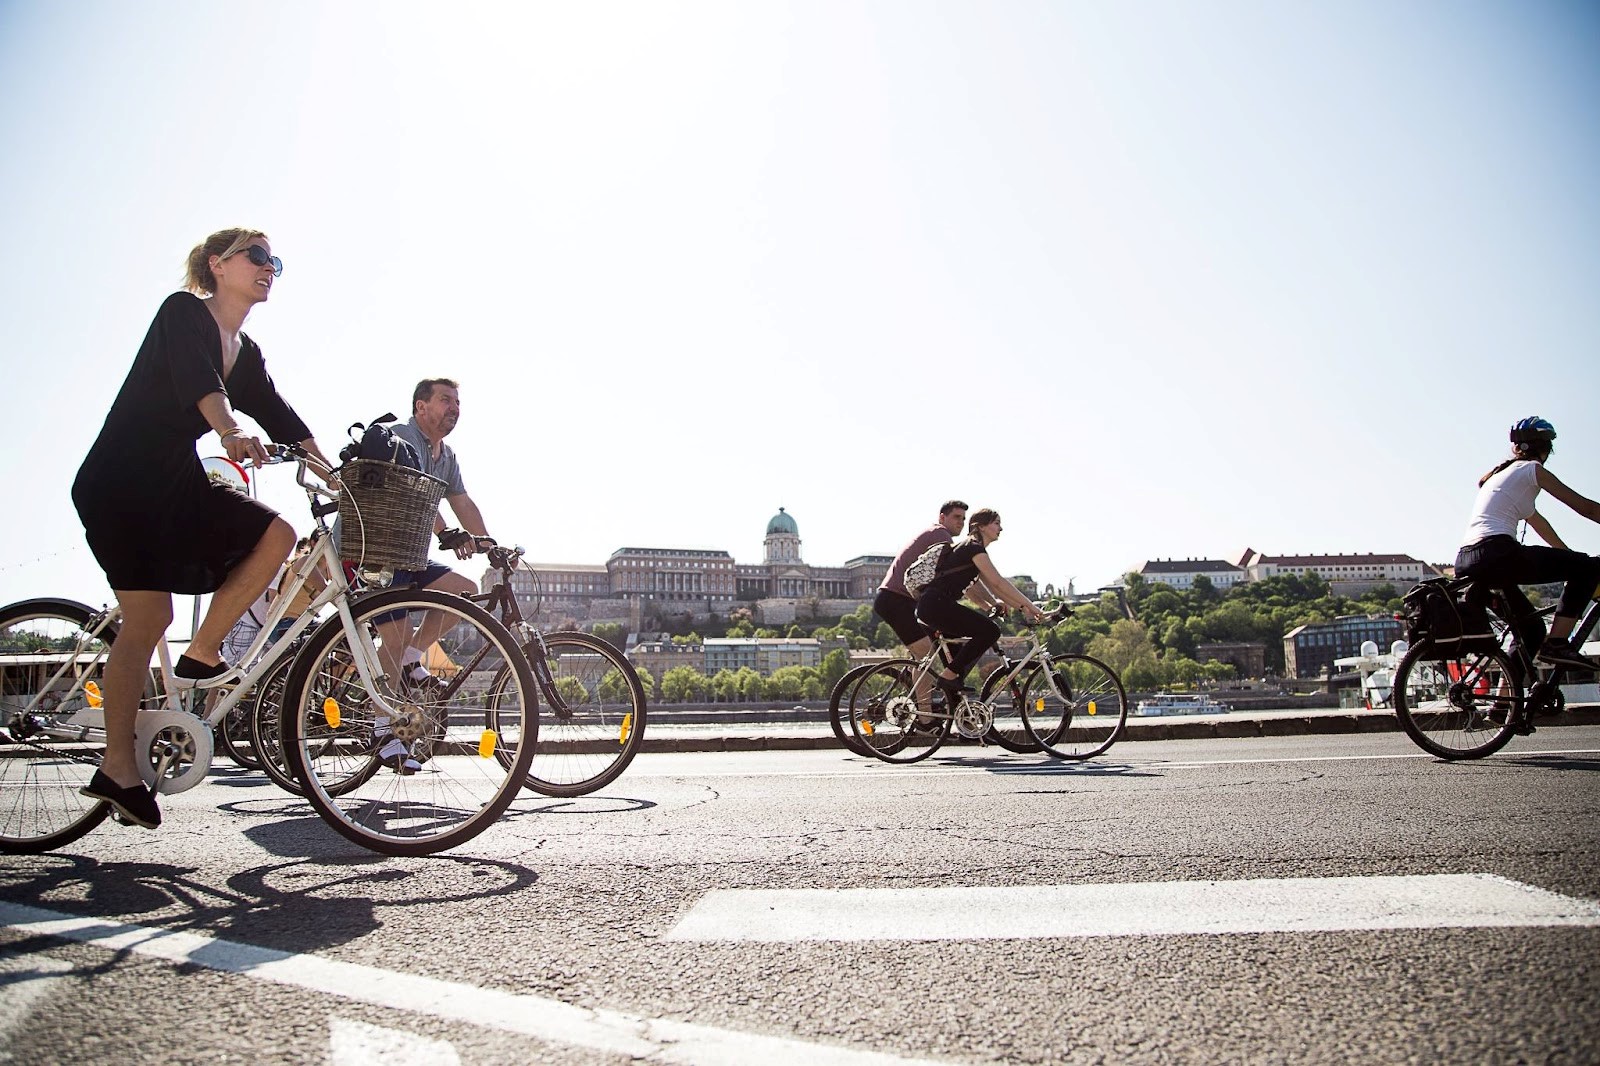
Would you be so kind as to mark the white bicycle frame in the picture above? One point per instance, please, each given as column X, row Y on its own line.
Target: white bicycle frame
column 89, row 722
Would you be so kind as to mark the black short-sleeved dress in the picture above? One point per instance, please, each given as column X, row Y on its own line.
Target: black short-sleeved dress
column 154, row 520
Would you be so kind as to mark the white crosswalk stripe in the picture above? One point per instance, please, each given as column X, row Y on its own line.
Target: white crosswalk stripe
column 1158, row 908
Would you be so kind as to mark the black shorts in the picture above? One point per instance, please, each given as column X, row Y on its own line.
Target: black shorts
column 901, row 614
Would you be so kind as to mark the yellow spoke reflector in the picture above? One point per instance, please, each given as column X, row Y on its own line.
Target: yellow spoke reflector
column 486, row 743
column 1093, row 706
column 866, row 727
column 627, row 727
column 1038, row 703
column 330, row 711
column 92, row 691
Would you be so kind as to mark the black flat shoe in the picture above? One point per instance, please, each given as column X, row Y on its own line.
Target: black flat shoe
column 187, row 672
column 134, row 804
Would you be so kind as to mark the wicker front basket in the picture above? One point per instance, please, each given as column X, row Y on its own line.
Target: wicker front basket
column 386, row 514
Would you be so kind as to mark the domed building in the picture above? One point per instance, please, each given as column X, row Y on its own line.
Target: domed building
column 783, row 540
column 784, row 575
column 698, row 581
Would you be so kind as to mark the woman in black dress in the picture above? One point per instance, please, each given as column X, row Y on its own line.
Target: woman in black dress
column 939, row 606
column 155, row 522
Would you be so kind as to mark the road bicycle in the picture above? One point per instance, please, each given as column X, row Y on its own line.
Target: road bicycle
column 1070, row 706
column 338, row 680
column 1465, row 699
column 593, row 719
column 1006, row 732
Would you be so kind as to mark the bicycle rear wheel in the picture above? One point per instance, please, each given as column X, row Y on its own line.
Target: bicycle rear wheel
column 886, row 719
column 592, row 723
column 839, row 701
column 450, row 786
column 1457, row 704
column 49, row 696
column 1075, row 709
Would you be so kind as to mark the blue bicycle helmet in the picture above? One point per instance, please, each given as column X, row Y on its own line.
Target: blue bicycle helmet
column 1534, row 430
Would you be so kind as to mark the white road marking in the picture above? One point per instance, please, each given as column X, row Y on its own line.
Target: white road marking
column 353, row 1043
column 1156, row 908
column 1102, row 766
column 652, row 1039
column 23, row 979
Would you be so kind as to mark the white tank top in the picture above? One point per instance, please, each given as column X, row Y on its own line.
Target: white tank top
column 1504, row 502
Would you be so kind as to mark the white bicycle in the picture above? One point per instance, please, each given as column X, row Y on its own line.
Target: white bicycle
column 340, row 681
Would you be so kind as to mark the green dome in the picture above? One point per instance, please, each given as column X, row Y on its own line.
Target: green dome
column 782, row 523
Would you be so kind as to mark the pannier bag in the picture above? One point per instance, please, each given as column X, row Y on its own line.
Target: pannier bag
column 1430, row 610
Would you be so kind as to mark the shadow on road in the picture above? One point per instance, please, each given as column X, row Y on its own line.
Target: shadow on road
column 1555, row 762
column 1013, row 767
column 297, row 907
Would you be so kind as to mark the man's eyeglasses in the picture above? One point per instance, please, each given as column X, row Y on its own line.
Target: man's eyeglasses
column 258, row 255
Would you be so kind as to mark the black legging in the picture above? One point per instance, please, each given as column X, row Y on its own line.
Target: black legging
column 1505, row 563
column 954, row 620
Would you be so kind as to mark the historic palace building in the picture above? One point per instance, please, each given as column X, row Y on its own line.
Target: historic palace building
column 698, row 582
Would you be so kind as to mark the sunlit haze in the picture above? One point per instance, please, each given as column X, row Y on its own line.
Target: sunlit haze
column 1153, row 279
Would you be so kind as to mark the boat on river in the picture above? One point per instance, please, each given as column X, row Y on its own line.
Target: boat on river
column 1180, row 703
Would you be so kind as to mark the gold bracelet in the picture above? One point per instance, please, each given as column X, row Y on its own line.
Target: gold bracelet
column 234, row 432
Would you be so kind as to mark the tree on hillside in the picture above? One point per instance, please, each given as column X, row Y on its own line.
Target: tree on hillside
column 683, row 683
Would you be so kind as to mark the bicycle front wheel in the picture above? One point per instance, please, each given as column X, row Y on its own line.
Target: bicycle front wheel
column 1074, row 706
column 887, row 719
column 1008, row 730
column 233, row 736
column 592, row 723
column 1457, row 704
column 47, row 753
column 446, row 784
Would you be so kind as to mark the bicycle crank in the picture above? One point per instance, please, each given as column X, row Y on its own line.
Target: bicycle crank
column 973, row 717
column 177, row 749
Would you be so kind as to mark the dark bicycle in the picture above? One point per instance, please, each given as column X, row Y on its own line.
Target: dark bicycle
column 592, row 723
column 1465, row 698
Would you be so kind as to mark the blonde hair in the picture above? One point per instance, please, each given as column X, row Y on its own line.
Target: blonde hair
column 198, row 278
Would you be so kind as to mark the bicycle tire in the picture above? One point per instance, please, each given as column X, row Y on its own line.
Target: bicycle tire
column 884, row 715
column 1007, row 730
column 1076, row 708
column 233, row 736
column 460, row 788
column 839, row 701
column 266, row 735
column 1447, row 701
column 591, row 726
column 41, row 776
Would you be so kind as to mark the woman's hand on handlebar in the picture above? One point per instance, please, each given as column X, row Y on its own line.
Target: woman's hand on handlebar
column 243, row 448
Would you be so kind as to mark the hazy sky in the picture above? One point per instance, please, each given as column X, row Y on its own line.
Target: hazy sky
column 1153, row 279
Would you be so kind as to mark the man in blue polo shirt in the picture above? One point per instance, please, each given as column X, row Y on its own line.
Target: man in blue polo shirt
column 435, row 409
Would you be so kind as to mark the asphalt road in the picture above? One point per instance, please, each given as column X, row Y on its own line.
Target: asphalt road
column 246, row 931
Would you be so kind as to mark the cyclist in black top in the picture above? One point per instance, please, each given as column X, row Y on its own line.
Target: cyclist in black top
column 939, row 606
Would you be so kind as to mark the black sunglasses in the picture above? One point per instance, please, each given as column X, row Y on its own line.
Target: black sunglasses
column 258, row 255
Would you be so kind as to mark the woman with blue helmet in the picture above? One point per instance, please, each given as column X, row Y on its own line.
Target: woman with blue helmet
column 1492, row 554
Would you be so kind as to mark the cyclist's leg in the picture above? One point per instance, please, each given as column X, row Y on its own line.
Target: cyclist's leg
column 145, row 618
column 244, row 585
column 954, row 620
column 900, row 612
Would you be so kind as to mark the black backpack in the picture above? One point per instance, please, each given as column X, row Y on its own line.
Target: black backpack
column 377, row 441
column 1451, row 619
